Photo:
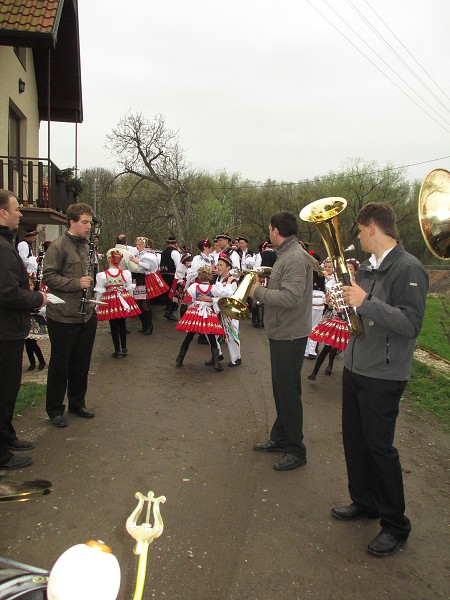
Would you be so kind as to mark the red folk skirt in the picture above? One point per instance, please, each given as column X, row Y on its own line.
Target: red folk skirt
column 334, row 332
column 115, row 309
column 155, row 285
column 200, row 318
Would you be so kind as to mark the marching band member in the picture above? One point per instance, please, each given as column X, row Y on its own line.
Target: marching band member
column 113, row 286
column 248, row 259
column 148, row 279
column 204, row 259
column 225, row 287
column 201, row 317
column 26, row 251
column 226, row 248
column 170, row 259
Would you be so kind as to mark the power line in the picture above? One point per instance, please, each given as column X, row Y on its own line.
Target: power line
column 375, row 65
column 259, row 184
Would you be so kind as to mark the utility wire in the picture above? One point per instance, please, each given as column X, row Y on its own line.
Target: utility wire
column 406, row 49
column 399, row 57
column 375, row 65
column 259, row 184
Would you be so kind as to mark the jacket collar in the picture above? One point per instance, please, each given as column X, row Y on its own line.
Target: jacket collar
column 387, row 261
column 76, row 240
column 286, row 245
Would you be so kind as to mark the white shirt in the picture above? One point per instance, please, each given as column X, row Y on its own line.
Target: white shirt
column 30, row 262
column 148, row 262
column 100, row 280
column 375, row 262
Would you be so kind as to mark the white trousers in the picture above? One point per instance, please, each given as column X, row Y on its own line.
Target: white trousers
column 316, row 316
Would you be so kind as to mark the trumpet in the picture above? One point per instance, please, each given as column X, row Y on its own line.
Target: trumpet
column 324, row 214
column 235, row 306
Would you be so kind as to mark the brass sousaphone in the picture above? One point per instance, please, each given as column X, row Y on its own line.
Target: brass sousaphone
column 434, row 212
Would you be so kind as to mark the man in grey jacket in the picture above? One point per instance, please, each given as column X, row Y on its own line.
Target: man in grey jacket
column 389, row 295
column 287, row 321
column 72, row 334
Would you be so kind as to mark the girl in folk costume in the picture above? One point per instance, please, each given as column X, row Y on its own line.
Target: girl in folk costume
column 204, row 259
column 148, row 277
column 178, row 290
column 224, row 287
column 113, row 286
column 334, row 330
column 201, row 317
column 38, row 331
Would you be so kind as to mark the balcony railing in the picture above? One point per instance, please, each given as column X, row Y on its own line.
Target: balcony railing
column 36, row 182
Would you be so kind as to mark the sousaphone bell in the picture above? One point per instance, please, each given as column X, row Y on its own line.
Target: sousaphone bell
column 236, row 306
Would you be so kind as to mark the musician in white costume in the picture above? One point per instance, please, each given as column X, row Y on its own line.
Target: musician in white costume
column 225, row 287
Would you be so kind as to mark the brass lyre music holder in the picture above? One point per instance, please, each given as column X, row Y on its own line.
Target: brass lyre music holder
column 144, row 534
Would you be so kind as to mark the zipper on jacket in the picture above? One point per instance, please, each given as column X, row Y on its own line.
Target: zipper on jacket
column 387, row 349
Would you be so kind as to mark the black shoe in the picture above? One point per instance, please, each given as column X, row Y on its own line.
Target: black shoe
column 311, row 356
column 210, row 362
column 269, row 446
column 312, row 377
column 236, row 364
column 124, row 352
column 59, row 421
column 21, row 445
column 31, row 368
column 385, row 544
column 328, row 371
column 17, row 462
column 82, row 412
column 116, row 355
column 41, row 366
column 288, row 462
column 351, row 512
column 179, row 361
column 171, row 318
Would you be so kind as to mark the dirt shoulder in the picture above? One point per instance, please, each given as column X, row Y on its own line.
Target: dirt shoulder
column 235, row 529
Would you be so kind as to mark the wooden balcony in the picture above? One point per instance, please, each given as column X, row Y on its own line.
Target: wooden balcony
column 40, row 188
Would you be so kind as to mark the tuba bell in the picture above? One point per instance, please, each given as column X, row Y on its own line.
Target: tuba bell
column 324, row 214
column 235, row 306
column 434, row 212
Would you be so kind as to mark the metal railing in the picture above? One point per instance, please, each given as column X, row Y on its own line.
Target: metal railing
column 36, row 182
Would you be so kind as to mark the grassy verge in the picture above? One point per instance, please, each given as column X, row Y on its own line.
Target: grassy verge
column 429, row 390
column 30, row 394
column 432, row 336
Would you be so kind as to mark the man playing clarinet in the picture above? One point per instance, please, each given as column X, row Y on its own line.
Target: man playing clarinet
column 71, row 331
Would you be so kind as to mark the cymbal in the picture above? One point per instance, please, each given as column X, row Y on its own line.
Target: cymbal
column 12, row 490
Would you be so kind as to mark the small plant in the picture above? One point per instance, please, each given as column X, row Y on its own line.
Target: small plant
column 76, row 183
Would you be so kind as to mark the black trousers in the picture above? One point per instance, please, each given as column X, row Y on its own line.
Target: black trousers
column 286, row 358
column 118, row 333
column 10, row 377
column 68, row 370
column 369, row 412
column 32, row 348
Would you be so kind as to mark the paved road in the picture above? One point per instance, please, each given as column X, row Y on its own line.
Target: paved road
column 235, row 529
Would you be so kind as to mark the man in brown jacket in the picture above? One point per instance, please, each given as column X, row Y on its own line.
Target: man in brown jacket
column 71, row 334
column 287, row 321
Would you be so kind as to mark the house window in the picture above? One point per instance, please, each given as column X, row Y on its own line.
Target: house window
column 14, row 137
column 21, row 54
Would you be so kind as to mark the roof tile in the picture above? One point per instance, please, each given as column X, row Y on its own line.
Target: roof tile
column 33, row 16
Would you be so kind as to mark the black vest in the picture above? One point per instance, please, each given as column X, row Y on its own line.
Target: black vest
column 167, row 265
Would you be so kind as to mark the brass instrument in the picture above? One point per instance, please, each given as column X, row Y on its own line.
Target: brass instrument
column 235, row 306
column 434, row 212
column 324, row 214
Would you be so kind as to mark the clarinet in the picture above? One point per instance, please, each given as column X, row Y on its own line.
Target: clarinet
column 40, row 270
column 87, row 273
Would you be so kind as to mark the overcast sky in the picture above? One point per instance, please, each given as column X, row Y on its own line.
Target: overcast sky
column 266, row 89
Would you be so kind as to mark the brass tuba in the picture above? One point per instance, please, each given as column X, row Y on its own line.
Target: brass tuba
column 324, row 214
column 235, row 306
column 434, row 212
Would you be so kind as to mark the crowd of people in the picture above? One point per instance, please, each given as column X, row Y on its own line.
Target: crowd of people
column 295, row 305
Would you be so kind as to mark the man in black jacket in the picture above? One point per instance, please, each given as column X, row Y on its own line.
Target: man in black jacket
column 16, row 302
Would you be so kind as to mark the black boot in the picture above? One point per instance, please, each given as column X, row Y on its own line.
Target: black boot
column 148, row 323
column 255, row 315
column 210, row 362
column 216, row 359
column 142, row 319
column 181, row 354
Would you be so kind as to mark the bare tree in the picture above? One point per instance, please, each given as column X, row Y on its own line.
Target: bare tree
column 151, row 152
